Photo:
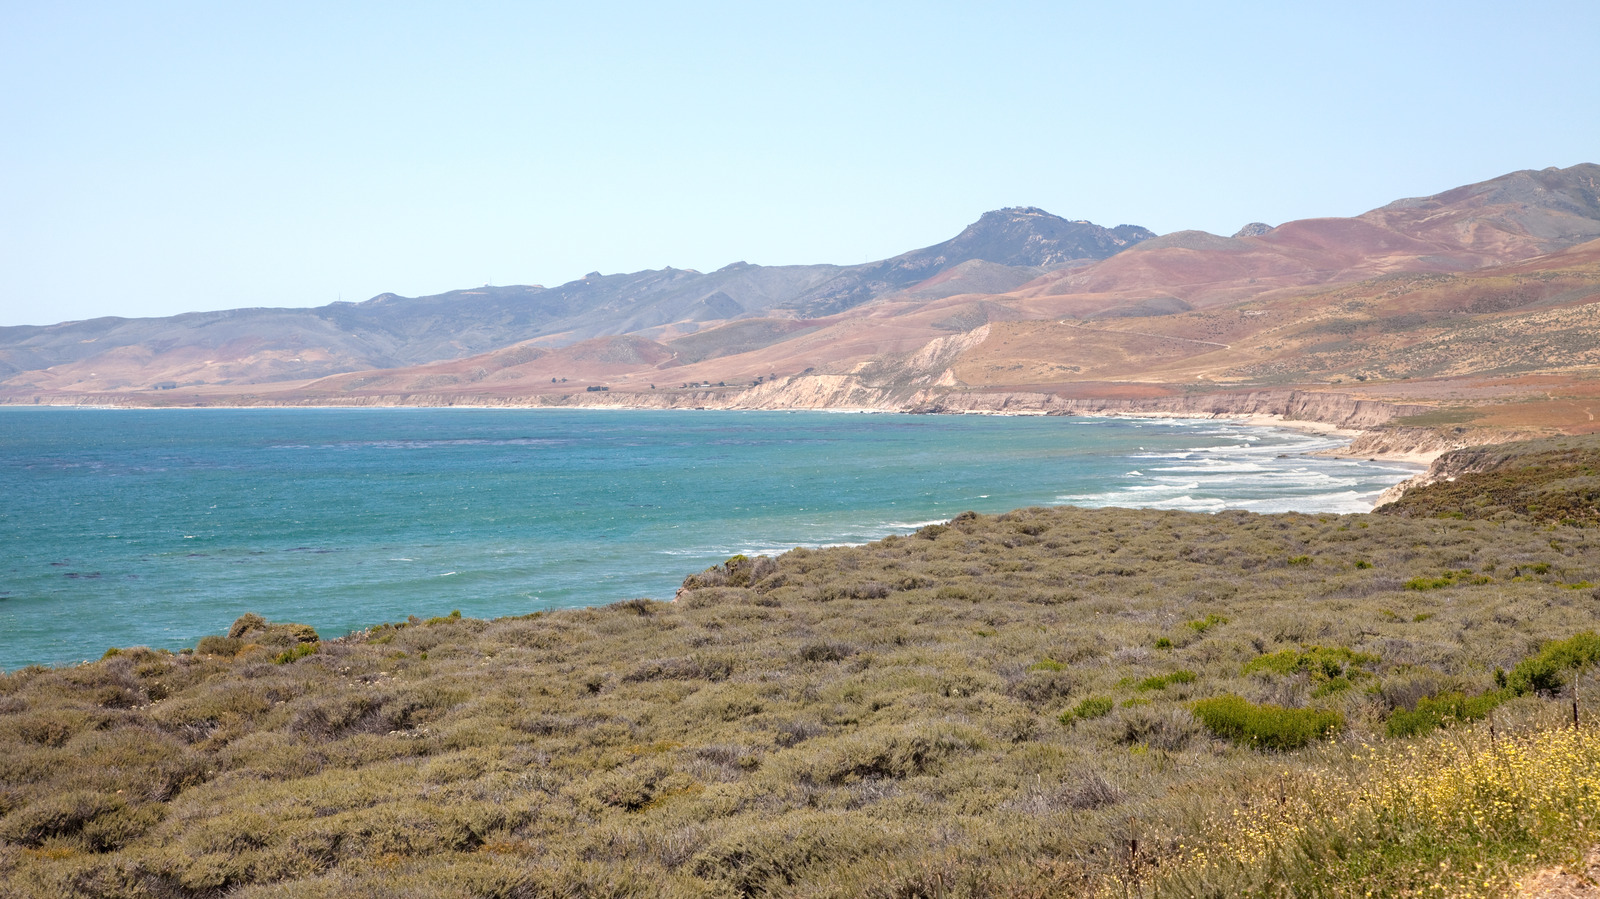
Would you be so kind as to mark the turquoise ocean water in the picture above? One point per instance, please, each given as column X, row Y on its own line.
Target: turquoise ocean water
column 156, row 527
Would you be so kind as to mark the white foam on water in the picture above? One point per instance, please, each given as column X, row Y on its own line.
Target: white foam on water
column 1187, row 503
column 1212, row 466
column 1340, row 501
column 1245, row 471
column 912, row 525
column 1184, row 485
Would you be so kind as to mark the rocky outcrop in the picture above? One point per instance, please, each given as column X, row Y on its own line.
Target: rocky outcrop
column 1447, row 464
column 928, row 365
column 1428, row 443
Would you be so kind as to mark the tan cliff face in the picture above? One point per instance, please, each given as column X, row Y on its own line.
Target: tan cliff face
column 1441, row 443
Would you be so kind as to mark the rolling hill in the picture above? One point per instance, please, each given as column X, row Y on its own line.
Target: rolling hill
column 1486, row 295
column 259, row 346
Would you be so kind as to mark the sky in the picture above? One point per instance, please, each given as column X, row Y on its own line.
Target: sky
column 168, row 157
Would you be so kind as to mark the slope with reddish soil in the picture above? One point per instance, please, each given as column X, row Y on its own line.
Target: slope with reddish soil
column 1460, row 298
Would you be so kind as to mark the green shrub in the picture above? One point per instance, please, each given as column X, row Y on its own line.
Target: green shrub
column 1266, row 726
column 1093, row 707
column 1202, row 625
column 1545, row 672
column 1330, row 687
column 1320, row 662
column 1163, row 681
column 1448, row 579
column 1439, row 711
column 1429, row 583
column 300, row 651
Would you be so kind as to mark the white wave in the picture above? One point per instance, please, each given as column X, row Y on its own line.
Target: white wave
column 913, row 525
column 1093, row 499
column 1184, row 503
column 757, row 548
column 1339, row 501
column 1275, row 481
column 1209, row 466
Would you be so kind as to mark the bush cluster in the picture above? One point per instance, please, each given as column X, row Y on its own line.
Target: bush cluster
column 1556, row 662
column 1266, row 726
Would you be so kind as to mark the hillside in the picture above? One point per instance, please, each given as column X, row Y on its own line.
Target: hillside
column 1477, row 306
column 1049, row 702
column 1555, row 481
column 246, row 347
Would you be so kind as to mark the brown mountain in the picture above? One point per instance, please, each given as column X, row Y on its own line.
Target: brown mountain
column 1479, row 295
column 1516, row 216
column 242, row 347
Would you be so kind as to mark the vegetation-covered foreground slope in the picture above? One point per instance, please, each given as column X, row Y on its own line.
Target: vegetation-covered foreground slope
column 1554, row 480
column 1050, row 702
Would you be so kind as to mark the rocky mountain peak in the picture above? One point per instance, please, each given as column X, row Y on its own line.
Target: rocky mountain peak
column 1030, row 236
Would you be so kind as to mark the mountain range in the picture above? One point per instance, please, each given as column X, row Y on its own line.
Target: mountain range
column 1003, row 250
column 1473, row 297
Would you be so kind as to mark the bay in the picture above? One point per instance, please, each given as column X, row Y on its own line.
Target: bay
column 155, row 527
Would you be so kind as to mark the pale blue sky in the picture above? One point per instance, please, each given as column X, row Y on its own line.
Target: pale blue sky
column 166, row 157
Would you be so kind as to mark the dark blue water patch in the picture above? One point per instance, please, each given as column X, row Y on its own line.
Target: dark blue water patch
column 346, row 518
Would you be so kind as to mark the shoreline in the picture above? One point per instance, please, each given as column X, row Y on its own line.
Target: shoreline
column 1252, row 419
column 1422, row 458
column 1291, row 452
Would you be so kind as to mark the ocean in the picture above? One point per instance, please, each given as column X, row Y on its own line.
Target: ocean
column 156, row 527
